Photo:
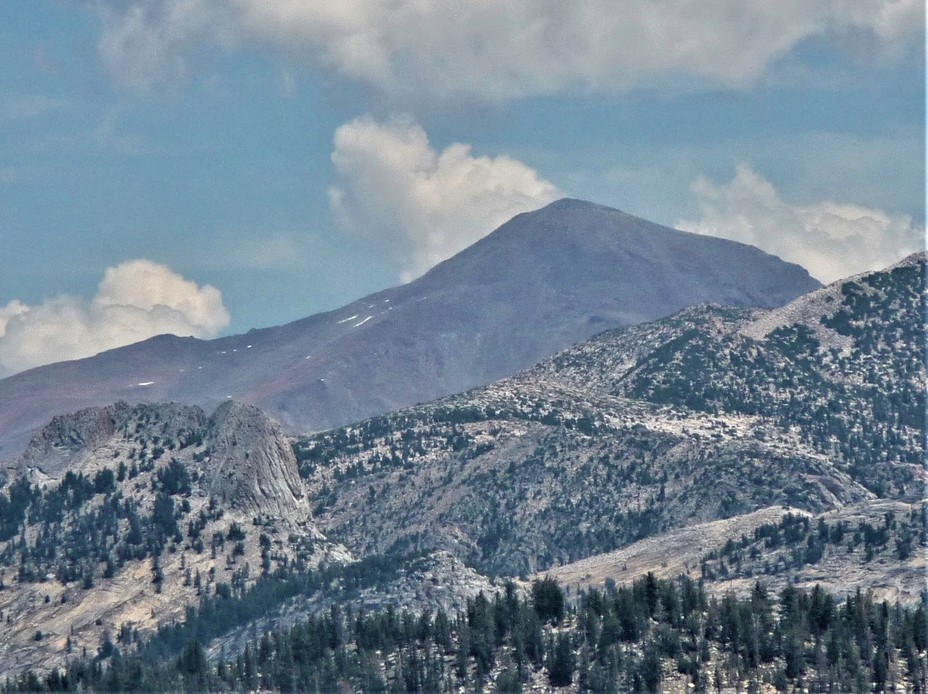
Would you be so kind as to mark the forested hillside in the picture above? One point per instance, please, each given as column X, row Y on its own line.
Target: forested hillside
column 642, row 638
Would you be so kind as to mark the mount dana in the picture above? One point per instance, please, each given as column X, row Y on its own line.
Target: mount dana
column 541, row 282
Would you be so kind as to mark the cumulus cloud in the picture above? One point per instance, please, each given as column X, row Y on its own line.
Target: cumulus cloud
column 500, row 50
column 831, row 240
column 134, row 301
column 421, row 206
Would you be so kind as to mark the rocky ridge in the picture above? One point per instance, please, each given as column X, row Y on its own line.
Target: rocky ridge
column 728, row 555
column 683, row 420
column 116, row 519
column 251, row 465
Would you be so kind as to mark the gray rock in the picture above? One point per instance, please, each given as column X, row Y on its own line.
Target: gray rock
column 251, row 466
column 247, row 464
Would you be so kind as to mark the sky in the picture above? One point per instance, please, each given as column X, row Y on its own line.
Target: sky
column 203, row 167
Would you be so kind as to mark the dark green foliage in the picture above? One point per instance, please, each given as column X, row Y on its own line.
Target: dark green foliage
column 104, row 482
column 236, row 533
column 548, row 598
column 13, row 507
column 508, row 683
column 82, row 527
column 162, row 515
column 649, row 670
column 173, row 478
column 561, row 661
column 621, row 640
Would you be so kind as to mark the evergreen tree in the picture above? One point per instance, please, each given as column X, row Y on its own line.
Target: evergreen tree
column 561, row 661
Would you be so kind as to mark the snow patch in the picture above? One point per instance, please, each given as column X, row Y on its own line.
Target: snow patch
column 146, row 383
column 345, row 320
column 358, row 325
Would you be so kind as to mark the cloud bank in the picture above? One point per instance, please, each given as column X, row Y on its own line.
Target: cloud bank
column 831, row 240
column 134, row 301
column 420, row 206
column 500, row 50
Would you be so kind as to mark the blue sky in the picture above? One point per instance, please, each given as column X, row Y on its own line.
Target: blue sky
column 295, row 157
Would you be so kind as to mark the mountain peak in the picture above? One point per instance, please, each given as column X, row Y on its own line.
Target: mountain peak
column 252, row 466
column 917, row 258
column 540, row 282
column 572, row 211
column 571, row 242
column 573, row 204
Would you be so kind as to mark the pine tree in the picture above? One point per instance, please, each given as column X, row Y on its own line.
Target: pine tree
column 561, row 661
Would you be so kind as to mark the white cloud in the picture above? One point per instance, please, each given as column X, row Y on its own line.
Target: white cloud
column 145, row 42
column 10, row 311
column 420, row 206
column 831, row 240
column 134, row 301
column 499, row 50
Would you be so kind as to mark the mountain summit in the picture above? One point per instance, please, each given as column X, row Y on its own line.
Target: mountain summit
column 542, row 281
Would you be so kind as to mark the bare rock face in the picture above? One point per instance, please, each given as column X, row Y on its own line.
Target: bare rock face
column 251, row 466
column 247, row 465
column 229, row 480
column 68, row 440
column 66, row 437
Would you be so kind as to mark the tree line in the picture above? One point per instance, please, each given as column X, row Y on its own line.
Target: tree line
column 631, row 638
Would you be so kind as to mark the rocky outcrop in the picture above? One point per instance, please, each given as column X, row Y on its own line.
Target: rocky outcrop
column 247, row 465
column 146, row 508
column 251, row 466
column 70, row 439
column 66, row 437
